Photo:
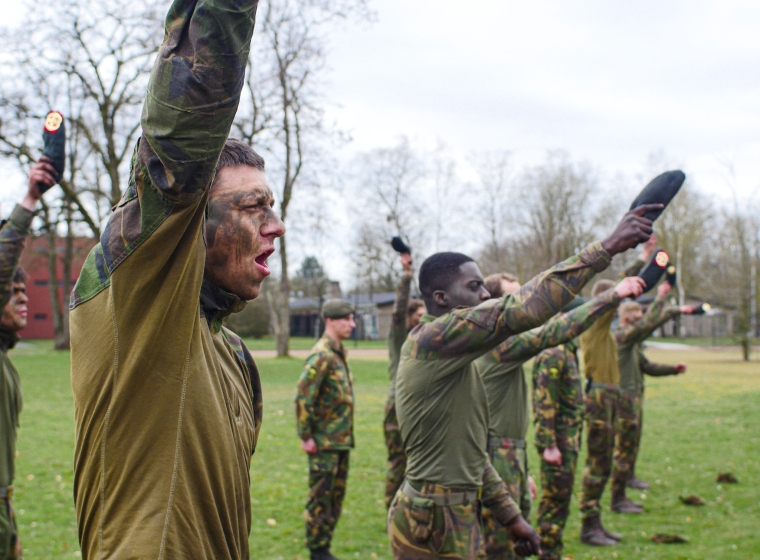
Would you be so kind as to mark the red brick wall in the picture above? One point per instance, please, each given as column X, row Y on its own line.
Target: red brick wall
column 34, row 259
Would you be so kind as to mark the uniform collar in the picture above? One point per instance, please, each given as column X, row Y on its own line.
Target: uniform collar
column 427, row 318
column 335, row 345
column 8, row 339
column 216, row 304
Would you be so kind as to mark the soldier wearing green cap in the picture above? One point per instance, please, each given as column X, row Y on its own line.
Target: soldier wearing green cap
column 325, row 423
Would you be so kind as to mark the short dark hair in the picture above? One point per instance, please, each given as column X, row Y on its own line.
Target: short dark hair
column 237, row 152
column 19, row 276
column 438, row 271
column 492, row 282
column 414, row 305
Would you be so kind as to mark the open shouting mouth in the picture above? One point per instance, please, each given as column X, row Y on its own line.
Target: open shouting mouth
column 261, row 262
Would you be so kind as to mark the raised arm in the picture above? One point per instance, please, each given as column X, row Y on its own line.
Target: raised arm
column 558, row 330
column 641, row 259
column 656, row 315
column 658, row 370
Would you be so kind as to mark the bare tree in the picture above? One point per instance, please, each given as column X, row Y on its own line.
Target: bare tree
column 282, row 113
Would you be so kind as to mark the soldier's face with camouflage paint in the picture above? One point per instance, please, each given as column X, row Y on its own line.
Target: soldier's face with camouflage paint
column 15, row 312
column 240, row 231
column 466, row 289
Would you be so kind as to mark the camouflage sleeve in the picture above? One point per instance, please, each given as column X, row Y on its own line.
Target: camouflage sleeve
column 397, row 333
column 496, row 496
column 656, row 315
column 193, row 93
column 468, row 333
column 12, row 239
column 633, row 270
column 546, row 385
column 654, row 369
column 313, row 374
column 558, row 330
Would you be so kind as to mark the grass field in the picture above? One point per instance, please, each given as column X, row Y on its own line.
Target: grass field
column 696, row 426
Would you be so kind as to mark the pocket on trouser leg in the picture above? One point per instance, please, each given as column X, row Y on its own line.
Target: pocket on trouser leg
column 421, row 514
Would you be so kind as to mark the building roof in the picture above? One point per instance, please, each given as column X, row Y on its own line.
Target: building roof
column 359, row 300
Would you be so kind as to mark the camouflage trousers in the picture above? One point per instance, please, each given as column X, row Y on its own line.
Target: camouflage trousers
column 10, row 546
column 396, row 456
column 510, row 460
column 328, row 471
column 554, row 507
column 627, row 437
column 419, row 529
column 600, row 409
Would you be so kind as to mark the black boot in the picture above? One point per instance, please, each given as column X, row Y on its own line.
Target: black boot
column 593, row 533
column 621, row 503
column 611, row 535
column 322, row 553
column 638, row 484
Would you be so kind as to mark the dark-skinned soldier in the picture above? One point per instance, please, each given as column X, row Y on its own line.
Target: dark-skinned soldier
column 558, row 416
column 441, row 401
column 168, row 402
column 406, row 315
column 325, row 423
column 509, row 410
column 13, row 234
column 599, row 356
column 634, row 328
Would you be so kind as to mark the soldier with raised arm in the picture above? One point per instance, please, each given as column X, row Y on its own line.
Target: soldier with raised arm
column 406, row 315
column 168, row 402
column 509, row 409
column 634, row 328
column 13, row 300
column 441, row 400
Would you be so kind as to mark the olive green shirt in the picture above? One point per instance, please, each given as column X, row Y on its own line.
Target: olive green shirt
column 440, row 397
column 12, row 238
column 167, row 402
column 502, row 368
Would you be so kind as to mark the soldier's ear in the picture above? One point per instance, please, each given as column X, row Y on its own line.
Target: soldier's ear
column 440, row 298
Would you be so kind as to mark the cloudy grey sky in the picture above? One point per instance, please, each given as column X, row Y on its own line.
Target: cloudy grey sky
column 609, row 82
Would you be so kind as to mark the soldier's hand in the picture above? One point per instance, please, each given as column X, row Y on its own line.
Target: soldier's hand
column 526, row 540
column 630, row 287
column 680, row 367
column 648, row 247
column 533, row 488
column 42, row 172
column 309, row 445
column 663, row 289
column 688, row 309
column 406, row 262
column 552, row 455
column 632, row 230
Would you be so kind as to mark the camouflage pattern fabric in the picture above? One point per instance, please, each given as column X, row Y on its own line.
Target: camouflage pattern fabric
column 420, row 530
column 10, row 546
column 554, row 505
column 600, row 408
column 325, row 397
column 396, row 455
column 512, row 465
column 626, row 438
column 328, row 472
column 557, row 398
column 396, row 338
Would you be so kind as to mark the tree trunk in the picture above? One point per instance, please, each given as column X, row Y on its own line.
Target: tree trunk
column 64, row 341
column 55, row 299
column 282, row 334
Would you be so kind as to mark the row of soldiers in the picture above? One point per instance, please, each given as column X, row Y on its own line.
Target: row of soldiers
column 423, row 520
column 168, row 403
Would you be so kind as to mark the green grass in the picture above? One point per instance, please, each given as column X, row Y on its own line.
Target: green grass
column 702, row 341
column 696, row 426
column 306, row 342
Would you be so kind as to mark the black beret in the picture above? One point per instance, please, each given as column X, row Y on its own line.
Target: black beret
column 654, row 270
column 660, row 190
column 399, row 246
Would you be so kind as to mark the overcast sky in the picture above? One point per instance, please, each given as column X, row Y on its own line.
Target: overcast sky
column 609, row 82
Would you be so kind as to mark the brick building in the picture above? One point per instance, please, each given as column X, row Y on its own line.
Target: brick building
column 34, row 260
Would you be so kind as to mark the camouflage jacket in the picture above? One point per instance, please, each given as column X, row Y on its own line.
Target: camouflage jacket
column 398, row 332
column 558, row 398
column 502, row 369
column 325, row 397
column 167, row 403
column 12, row 238
column 630, row 339
column 440, row 397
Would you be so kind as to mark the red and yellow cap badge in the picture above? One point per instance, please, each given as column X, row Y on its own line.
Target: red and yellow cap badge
column 53, row 122
column 662, row 259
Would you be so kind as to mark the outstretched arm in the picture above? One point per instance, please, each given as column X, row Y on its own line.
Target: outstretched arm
column 656, row 315
column 658, row 370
